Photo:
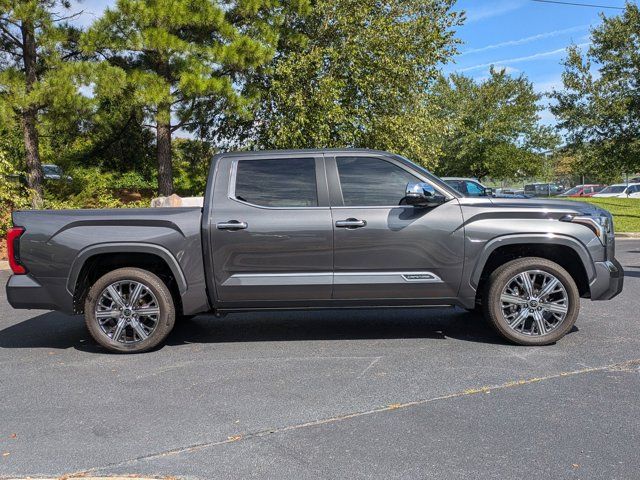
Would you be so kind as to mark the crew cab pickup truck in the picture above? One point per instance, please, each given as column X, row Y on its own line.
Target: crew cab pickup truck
column 311, row 229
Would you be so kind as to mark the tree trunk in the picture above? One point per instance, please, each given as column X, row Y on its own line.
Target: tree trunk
column 32, row 156
column 29, row 116
column 163, row 145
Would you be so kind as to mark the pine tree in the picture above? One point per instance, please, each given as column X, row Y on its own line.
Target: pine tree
column 34, row 40
column 180, row 54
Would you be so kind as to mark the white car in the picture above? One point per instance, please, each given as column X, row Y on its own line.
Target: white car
column 620, row 190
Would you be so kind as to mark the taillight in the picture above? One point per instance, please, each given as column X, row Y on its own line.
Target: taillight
column 13, row 250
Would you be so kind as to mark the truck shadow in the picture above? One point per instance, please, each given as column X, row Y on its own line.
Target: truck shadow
column 632, row 273
column 58, row 331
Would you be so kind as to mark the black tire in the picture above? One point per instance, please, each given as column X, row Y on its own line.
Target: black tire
column 166, row 317
column 492, row 304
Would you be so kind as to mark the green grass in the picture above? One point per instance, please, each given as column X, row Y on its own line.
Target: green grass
column 625, row 211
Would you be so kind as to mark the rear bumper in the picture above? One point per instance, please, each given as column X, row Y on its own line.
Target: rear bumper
column 609, row 280
column 24, row 291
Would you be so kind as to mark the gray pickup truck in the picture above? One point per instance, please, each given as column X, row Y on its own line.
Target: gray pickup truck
column 311, row 229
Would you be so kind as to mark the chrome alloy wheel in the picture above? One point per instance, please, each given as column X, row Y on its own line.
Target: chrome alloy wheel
column 127, row 311
column 534, row 303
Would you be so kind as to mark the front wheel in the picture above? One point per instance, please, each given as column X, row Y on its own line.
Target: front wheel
column 129, row 310
column 532, row 301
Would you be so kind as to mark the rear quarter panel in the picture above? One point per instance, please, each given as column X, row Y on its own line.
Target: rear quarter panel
column 55, row 241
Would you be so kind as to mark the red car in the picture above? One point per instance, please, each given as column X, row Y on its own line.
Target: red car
column 583, row 190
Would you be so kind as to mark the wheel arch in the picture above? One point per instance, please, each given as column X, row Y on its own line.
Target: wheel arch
column 95, row 261
column 567, row 252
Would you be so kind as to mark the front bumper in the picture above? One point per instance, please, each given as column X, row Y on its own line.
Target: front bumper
column 609, row 280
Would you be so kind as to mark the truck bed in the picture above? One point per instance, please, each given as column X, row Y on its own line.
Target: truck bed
column 58, row 243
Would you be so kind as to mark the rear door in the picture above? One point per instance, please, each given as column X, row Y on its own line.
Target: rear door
column 634, row 191
column 386, row 251
column 271, row 232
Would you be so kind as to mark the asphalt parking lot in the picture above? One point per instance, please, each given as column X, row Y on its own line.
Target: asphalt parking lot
column 409, row 394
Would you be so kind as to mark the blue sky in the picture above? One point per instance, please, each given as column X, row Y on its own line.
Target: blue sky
column 522, row 36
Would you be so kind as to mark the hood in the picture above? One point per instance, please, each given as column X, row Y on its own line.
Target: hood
column 557, row 206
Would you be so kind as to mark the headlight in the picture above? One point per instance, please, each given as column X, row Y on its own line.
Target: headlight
column 600, row 225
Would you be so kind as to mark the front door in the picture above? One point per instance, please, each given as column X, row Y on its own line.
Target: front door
column 388, row 251
column 271, row 232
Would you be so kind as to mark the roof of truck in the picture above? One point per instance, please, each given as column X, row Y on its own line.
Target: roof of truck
column 304, row 151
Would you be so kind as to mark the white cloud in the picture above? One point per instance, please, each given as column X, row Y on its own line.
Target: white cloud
column 547, row 118
column 507, row 69
column 528, row 58
column 522, row 41
column 492, row 9
column 548, row 85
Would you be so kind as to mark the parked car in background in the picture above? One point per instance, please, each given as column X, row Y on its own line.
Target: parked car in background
column 583, row 190
column 511, row 193
column 468, row 186
column 620, row 190
column 54, row 172
column 543, row 189
column 471, row 187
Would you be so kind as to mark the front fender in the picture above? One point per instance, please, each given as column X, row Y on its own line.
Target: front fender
column 542, row 238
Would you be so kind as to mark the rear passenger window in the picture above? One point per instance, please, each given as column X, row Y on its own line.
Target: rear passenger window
column 287, row 182
column 368, row 181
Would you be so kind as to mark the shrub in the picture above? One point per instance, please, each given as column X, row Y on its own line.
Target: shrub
column 13, row 194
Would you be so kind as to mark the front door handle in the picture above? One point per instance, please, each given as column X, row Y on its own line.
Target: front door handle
column 351, row 223
column 232, row 225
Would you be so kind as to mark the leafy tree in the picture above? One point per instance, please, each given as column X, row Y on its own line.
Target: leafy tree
column 493, row 127
column 600, row 102
column 191, row 160
column 182, row 54
column 34, row 41
column 111, row 134
column 354, row 73
column 12, row 194
column 581, row 164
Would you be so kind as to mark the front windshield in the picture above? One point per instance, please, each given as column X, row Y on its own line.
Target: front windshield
column 52, row 170
column 614, row 189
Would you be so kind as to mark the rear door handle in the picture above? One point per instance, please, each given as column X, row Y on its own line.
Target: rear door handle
column 351, row 223
column 232, row 225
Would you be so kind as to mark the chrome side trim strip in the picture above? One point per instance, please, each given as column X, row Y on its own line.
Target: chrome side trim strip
column 351, row 278
column 275, row 279
column 328, row 278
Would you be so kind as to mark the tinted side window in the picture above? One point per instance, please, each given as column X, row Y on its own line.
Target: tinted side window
column 289, row 182
column 368, row 181
column 459, row 185
column 474, row 190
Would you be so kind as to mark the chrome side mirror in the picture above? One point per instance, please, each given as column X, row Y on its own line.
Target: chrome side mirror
column 423, row 195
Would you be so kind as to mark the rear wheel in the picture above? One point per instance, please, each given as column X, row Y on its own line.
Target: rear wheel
column 532, row 301
column 129, row 310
